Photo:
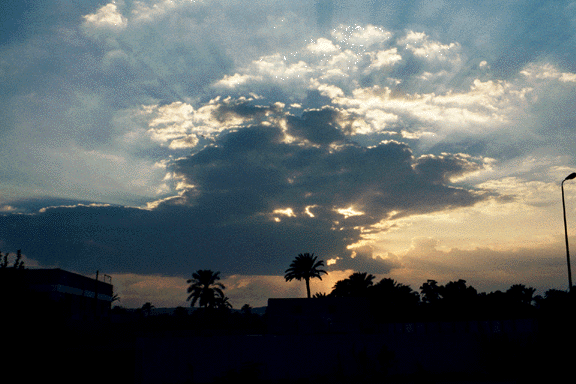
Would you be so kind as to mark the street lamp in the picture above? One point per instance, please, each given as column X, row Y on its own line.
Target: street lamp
column 569, row 177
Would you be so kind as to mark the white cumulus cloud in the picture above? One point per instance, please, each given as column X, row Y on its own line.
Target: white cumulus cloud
column 106, row 16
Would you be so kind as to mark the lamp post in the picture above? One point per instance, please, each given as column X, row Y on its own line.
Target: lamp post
column 569, row 177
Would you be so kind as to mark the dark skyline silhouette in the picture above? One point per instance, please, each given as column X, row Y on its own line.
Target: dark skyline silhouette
column 362, row 330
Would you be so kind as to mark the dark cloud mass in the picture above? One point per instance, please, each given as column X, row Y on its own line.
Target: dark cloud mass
column 258, row 196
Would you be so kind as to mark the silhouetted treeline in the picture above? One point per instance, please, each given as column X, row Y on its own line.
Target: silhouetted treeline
column 115, row 339
column 456, row 300
column 201, row 321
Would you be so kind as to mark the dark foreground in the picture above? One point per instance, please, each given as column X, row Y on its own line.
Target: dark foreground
column 160, row 351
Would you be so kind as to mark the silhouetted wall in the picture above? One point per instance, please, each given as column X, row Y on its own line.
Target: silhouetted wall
column 400, row 349
column 55, row 293
column 319, row 315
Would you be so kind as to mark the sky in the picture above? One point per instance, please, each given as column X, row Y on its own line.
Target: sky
column 413, row 140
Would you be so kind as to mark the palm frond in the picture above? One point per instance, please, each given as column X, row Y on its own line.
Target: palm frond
column 204, row 288
column 305, row 266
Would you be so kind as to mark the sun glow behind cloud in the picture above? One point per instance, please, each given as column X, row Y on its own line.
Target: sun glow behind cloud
column 348, row 212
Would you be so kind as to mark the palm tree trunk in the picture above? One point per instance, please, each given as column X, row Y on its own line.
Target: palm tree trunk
column 308, row 287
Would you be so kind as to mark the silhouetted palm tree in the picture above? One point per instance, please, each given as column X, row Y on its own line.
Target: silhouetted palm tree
column 356, row 285
column 4, row 262
column 223, row 303
column 341, row 288
column 305, row 266
column 458, row 293
column 204, row 288
column 18, row 263
column 393, row 300
column 392, row 292
column 431, row 292
column 520, row 294
column 147, row 309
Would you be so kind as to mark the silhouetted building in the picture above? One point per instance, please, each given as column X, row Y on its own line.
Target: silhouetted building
column 319, row 315
column 57, row 294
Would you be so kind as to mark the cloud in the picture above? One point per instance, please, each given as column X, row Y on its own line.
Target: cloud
column 362, row 259
column 106, row 16
column 359, row 35
column 322, row 46
column 143, row 12
column 546, row 71
column 162, row 291
column 171, row 123
column 395, row 100
column 421, row 46
column 484, row 268
column 236, row 80
column 228, row 213
column 7, row 208
column 256, row 290
column 386, row 58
